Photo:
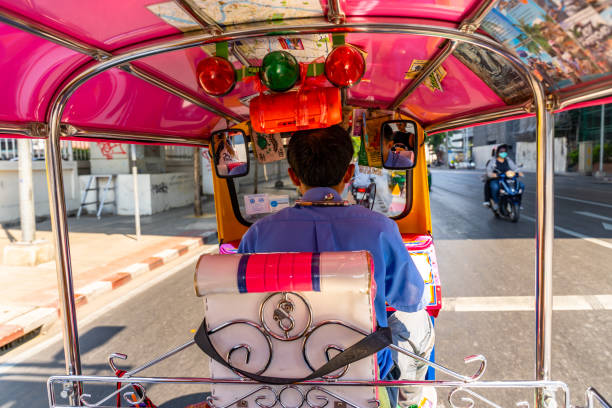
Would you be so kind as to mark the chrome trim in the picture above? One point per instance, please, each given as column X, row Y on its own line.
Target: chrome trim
column 207, row 23
column 544, row 237
column 433, row 64
column 22, row 23
column 598, row 89
column 65, row 282
column 90, row 133
column 544, row 248
column 153, row 80
column 34, row 130
column 203, row 19
column 475, row 119
column 471, row 23
column 335, row 14
column 56, row 37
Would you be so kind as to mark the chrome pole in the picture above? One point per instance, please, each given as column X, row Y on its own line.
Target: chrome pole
column 544, row 250
column 57, row 209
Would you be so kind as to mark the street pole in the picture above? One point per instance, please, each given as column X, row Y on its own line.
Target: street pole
column 136, row 200
column 26, row 191
column 600, row 172
column 197, row 182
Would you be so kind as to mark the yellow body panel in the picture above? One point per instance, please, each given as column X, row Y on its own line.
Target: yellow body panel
column 418, row 221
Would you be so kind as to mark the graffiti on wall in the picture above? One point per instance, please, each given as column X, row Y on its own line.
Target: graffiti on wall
column 109, row 149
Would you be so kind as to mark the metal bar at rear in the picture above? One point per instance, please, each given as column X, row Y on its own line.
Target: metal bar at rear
column 65, row 282
column 445, row 51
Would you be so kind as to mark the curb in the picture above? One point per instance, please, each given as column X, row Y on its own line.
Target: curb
column 21, row 325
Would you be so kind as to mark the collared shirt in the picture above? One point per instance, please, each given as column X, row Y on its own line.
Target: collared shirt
column 339, row 228
column 397, row 161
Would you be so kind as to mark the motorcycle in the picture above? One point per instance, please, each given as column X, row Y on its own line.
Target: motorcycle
column 363, row 189
column 510, row 197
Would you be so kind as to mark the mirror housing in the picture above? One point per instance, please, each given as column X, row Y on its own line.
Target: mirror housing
column 398, row 144
column 230, row 153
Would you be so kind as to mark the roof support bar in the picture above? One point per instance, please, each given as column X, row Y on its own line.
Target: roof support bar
column 88, row 133
column 208, row 23
column 447, row 49
column 152, row 79
column 22, row 23
column 335, row 14
column 469, row 25
column 41, row 31
column 469, row 120
column 203, row 19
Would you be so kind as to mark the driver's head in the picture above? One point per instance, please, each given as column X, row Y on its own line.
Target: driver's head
column 502, row 151
column 321, row 157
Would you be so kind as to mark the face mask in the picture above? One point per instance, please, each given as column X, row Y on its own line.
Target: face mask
column 503, row 155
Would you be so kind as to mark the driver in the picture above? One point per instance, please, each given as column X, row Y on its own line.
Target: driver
column 500, row 165
column 320, row 167
column 396, row 153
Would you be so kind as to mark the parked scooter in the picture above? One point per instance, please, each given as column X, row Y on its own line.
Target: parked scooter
column 510, row 197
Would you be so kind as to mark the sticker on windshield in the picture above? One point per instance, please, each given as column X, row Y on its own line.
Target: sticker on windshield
column 256, row 204
column 269, row 147
column 278, row 202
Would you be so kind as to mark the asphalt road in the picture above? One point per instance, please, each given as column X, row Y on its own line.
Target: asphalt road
column 478, row 255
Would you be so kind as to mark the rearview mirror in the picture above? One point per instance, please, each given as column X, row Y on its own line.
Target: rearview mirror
column 398, row 144
column 230, row 153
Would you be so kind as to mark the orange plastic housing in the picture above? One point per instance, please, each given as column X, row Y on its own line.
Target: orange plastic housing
column 296, row 110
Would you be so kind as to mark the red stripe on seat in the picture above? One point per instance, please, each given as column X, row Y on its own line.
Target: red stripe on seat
column 279, row 272
column 302, row 272
column 255, row 274
column 272, row 283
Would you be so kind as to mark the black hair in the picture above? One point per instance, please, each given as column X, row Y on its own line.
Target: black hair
column 387, row 132
column 320, row 157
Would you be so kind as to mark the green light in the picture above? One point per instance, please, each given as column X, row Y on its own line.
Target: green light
column 280, row 71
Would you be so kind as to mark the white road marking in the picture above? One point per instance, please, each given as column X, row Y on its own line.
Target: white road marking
column 584, row 201
column 11, row 363
column 593, row 215
column 524, row 303
column 576, row 234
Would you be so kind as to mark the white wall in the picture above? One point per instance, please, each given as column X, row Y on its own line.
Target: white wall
column 481, row 154
column 9, row 189
column 156, row 192
column 526, row 154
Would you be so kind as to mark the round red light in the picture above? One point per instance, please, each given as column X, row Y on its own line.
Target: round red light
column 216, row 76
column 344, row 66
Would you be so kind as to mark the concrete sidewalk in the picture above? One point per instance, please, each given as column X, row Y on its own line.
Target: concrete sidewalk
column 105, row 254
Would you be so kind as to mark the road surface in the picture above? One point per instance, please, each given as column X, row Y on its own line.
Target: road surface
column 487, row 270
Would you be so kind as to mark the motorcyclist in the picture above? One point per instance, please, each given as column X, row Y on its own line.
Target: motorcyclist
column 500, row 165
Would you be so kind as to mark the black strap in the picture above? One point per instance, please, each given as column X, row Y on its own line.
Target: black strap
column 365, row 347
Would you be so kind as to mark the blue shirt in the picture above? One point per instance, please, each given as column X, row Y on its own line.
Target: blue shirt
column 352, row 228
column 397, row 161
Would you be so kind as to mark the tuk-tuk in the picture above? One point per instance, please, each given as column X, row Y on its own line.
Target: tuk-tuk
column 238, row 78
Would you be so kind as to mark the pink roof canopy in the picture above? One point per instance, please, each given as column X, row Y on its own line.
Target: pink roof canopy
column 560, row 51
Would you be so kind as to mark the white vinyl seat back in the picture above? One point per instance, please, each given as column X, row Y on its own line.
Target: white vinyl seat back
column 284, row 315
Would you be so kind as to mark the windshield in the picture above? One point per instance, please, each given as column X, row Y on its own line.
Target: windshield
column 268, row 189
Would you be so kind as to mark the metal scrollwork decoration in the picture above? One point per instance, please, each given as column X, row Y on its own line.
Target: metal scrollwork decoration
column 210, row 400
column 283, row 315
column 469, row 401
